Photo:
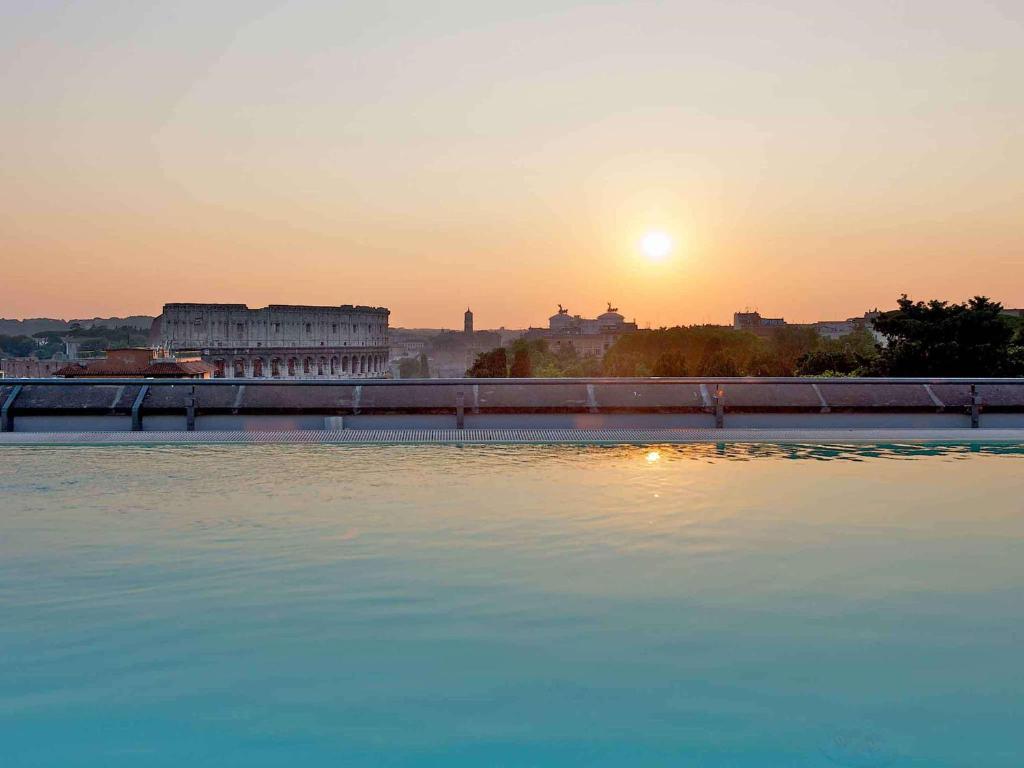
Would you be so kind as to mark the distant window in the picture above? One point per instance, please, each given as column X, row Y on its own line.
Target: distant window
column 241, row 328
column 309, row 327
column 277, row 327
column 334, row 327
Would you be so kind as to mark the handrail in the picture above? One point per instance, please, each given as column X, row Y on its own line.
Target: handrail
column 765, row 380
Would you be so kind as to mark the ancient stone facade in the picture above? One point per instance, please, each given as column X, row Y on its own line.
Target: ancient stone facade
column 280, row 341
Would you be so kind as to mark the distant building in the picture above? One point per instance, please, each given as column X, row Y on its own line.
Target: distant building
column 467, row 322
column 586, row 336
column 836, row 329
column 281, row 341
column 137, row 363
column 753, row 322
column 407, row 348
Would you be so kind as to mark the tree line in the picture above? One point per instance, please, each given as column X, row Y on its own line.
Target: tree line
column 933, row 338
column 45, row 344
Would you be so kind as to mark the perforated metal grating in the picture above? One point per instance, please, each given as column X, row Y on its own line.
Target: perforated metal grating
column 519, row 436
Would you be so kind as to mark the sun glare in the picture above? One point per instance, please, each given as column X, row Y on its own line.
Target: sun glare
column 656, row 245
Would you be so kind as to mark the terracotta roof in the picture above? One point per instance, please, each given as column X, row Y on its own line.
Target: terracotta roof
column 109, row 368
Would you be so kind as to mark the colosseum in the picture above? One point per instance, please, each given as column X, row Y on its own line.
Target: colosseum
column 280, row 341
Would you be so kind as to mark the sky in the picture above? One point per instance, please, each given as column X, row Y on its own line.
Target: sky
column 811, row 160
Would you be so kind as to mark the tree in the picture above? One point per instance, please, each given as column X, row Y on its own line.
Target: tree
column 718, row 363
column 623, row 364
column 850, row 355
column 672, row 362
column 490, row 365
column 942, row 339
column 522, row 366
column 787, row 345
column 17, row 346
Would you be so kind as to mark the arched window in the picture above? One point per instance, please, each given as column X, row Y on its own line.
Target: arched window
column 239, row 369
column 291, row 366
column 218, row 369
column 320, row 364
column 275, row 367
column 344, row 364
column 257, row 368
column 307, row 364
column 334, row 366
column 362, row 363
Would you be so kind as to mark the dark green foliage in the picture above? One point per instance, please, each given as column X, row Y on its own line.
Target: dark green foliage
column 637, row 354
column 522, row 366
column 17, row 346
column 942, row 339
column 624, row 364
column 719, row 363
column 722, row 351
column 787, row 345
column 850, row 355
column 671, row 362
column 94, row 339
column 925, row 339
column 828, row 362
column 490, row 365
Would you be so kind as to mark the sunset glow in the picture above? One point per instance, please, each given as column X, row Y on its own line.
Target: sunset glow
column 656, row 245
column 290, row 153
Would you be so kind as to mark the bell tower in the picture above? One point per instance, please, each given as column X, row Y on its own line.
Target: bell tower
column 467, row 322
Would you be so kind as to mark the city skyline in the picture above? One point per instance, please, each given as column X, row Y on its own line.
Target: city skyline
column 813, row 161
column 451, row 324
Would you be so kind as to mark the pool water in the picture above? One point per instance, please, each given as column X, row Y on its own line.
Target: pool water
column 704, row 606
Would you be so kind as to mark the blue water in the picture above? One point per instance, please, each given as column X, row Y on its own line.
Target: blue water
column 511, row 606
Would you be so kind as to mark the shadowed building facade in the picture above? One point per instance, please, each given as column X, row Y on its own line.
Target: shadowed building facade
column 280, row 341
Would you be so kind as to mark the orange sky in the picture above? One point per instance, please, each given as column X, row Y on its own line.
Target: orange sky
column 811, row 159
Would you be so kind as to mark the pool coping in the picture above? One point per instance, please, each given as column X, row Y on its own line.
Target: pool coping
column 518, row 436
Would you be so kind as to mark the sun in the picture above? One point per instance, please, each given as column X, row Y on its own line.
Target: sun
column 656, row 245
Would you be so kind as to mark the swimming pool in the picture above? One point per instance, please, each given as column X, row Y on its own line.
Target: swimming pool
column 703, row 605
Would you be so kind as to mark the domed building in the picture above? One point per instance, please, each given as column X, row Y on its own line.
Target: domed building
column 561, row 321
column 586, row 336
column 611, row 320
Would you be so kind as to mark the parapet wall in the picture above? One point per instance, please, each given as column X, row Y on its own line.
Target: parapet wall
column 43, row 405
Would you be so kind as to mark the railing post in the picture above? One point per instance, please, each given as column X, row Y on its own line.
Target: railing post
column 975, row 407
column 719, row 407
column 137, row 408
column 190, row 410
column 460, row 410
column 6, row 418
